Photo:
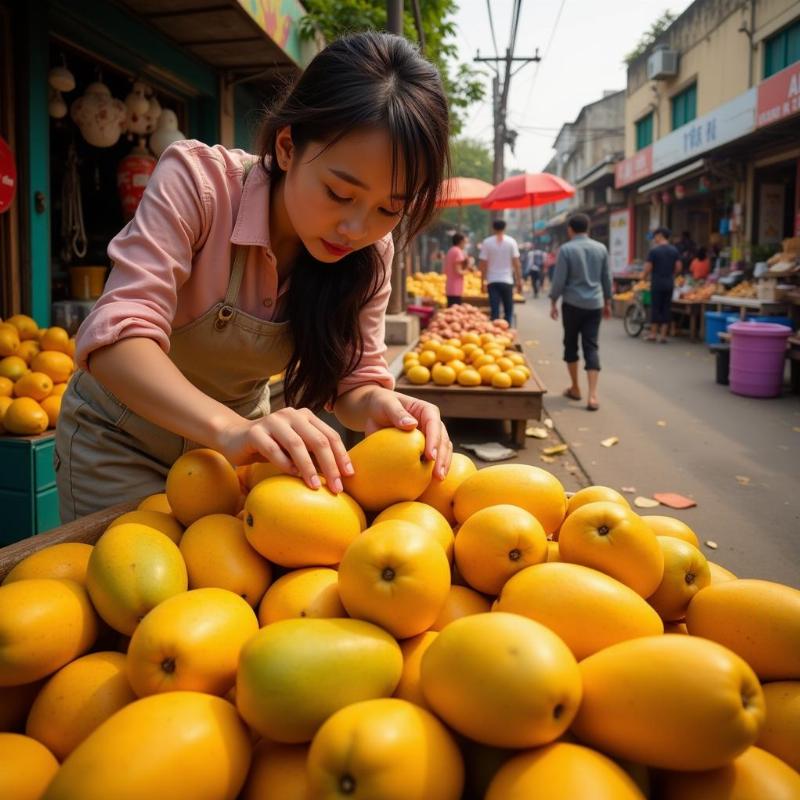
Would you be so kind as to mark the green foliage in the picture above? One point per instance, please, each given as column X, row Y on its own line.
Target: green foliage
column 649, row 37
column 471, row 159
column 333, row 18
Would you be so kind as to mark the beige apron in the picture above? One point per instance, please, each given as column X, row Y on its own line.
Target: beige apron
column 105, row 454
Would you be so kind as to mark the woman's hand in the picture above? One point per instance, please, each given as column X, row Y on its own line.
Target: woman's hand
column 291, row 439
column 386, row 409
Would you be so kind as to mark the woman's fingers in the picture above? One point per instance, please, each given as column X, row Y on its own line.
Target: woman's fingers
column 262, row 441
column 336, row 444
column 444, row 455
column 318, row 442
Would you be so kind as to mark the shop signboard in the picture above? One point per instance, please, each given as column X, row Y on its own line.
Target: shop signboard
column 619, row 240
column 779, row 96
column 725, row 123
column 633, row 169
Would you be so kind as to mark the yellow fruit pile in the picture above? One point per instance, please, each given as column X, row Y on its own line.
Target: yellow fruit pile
column 469, row 360
column 35, row 366
column 431, row 286
column 482, row 636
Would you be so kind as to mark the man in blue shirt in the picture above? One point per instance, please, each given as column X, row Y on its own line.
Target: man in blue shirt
column 663, row 264
column 582, row 279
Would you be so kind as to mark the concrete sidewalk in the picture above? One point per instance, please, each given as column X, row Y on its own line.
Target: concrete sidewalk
column 681, row 432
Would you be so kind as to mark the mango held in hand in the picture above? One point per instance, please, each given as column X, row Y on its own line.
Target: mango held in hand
column 758, row 620
column 295, row 673
column 390, row 466
column 135, row 753
column 674, row 702
column 295, row 526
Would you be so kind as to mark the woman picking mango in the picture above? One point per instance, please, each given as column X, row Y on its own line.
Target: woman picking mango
column 237, row 267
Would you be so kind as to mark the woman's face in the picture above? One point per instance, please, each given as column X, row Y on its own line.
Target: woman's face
column 341, row 198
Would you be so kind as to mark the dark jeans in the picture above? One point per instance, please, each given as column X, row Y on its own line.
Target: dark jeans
column 661, row 306
column 454, row 300
column 583, row 322
column 501, row 292
column 536, row 281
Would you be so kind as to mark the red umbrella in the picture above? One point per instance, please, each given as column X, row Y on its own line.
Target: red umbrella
column 462, row 192
column 528, row 189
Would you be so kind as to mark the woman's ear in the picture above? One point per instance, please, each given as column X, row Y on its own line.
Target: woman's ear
column 284, row 147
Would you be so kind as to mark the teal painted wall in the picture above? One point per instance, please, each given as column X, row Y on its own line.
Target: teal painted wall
column 34, row 24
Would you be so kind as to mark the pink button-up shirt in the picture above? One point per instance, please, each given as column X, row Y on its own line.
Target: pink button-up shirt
column 172, row 261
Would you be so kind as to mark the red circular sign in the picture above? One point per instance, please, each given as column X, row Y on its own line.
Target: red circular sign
column 8, row 176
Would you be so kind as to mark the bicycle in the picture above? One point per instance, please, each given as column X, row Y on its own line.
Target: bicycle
column 636, row 314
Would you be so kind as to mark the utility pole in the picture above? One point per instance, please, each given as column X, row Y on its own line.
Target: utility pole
column 394, row 24
column 502, row 135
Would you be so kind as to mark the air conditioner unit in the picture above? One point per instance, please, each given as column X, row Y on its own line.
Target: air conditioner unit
column 662, row 64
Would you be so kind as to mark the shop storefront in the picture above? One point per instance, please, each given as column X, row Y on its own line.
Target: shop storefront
column 97, row 92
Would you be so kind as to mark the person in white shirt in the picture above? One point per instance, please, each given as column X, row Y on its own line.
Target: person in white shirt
column 500, row 271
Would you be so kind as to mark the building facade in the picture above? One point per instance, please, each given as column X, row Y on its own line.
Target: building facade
column 712, row 130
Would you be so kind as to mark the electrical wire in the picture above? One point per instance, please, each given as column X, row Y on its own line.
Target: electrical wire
column 491, row 26
column 546, row 51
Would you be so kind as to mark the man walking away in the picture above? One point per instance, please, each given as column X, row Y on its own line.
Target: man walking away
column 500, row 271
column 582, row 279
column 456, row 264
column 663, row 264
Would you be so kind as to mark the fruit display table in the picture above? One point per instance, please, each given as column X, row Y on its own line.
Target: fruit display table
column 86, row 529
column 693, row 311
column 745, row 304
column 484, row 402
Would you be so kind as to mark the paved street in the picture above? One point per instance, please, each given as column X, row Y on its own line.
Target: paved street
column 711, row 436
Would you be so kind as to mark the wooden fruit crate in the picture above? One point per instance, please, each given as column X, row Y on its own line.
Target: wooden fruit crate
column 86, row 529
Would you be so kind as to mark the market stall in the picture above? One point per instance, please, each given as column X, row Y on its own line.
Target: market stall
column 471, row 369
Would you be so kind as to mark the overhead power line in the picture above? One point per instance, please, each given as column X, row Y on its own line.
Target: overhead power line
column 491, row 26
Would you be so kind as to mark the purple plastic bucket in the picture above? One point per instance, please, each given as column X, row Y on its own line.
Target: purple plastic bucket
column 758, row 353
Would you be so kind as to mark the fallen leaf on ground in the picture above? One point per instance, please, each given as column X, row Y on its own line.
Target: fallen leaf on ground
column 743, row 480
column 548, row 423
column 583, row 430
column 576, row 444
column 543, row 361
column 555, row 450
column 491, row 451
column 645, row 502
column 547, row 459
column 662, row 423
column 712, row 545
column 610, row 442
column 673, row 500
column 536, row 433
column 628, row 489
column 531, row 342
column 571, row 468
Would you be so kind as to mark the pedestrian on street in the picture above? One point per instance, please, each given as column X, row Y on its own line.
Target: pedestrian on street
column 582, row 279
column 456, row 265
column 501, row 271
column 537, row 270
column 663, row 264
column 240, row 266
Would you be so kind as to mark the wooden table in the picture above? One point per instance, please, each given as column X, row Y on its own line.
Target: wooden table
column 694, row 311
column 745, row 304
column 484, row 402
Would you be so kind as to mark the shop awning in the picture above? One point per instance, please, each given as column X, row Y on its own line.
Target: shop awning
column 684, row 172
column 598, row 172
column 249, row 36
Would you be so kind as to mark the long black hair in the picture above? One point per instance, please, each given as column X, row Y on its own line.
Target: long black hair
column 365, row 80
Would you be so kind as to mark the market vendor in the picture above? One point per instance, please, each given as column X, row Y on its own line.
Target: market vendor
column 238, row 267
